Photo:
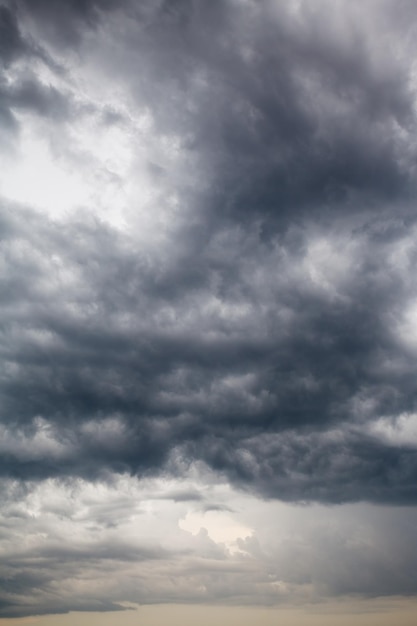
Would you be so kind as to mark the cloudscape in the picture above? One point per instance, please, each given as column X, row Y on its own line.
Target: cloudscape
column 208, row 311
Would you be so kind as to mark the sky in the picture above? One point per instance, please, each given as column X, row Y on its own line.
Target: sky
column 208, row 321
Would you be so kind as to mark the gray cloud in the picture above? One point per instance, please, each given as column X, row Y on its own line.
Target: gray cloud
column 296, row 554
column 12, row 43
column 64, row 23
column 287, row 118
column 259, row 401
column 245, row 300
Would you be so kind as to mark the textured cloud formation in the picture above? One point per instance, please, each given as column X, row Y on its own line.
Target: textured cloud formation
column 207, row 260
column 129, row 545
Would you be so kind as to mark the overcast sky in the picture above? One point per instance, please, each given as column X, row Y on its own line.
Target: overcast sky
column 208, row 323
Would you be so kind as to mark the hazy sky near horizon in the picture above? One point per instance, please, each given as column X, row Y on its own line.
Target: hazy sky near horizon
column 208, row 322
column 378, row 613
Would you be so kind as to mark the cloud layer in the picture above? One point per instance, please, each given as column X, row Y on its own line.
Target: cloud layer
column 207, row 260
column 106, row 547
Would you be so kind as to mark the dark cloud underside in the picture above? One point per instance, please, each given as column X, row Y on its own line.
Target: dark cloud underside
column 264, row 335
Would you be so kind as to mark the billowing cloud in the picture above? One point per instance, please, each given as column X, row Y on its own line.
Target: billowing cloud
column 207, row 261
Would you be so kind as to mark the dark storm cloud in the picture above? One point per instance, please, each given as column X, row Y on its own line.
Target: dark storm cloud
column 317, row 468
column 30, row 95
column 12, row 44
column 259, row 401
column 64, row 22
column 22, row 89
column 270, row 320
column 287, row 118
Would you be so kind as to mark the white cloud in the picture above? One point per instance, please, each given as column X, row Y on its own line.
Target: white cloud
column 400, row 430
